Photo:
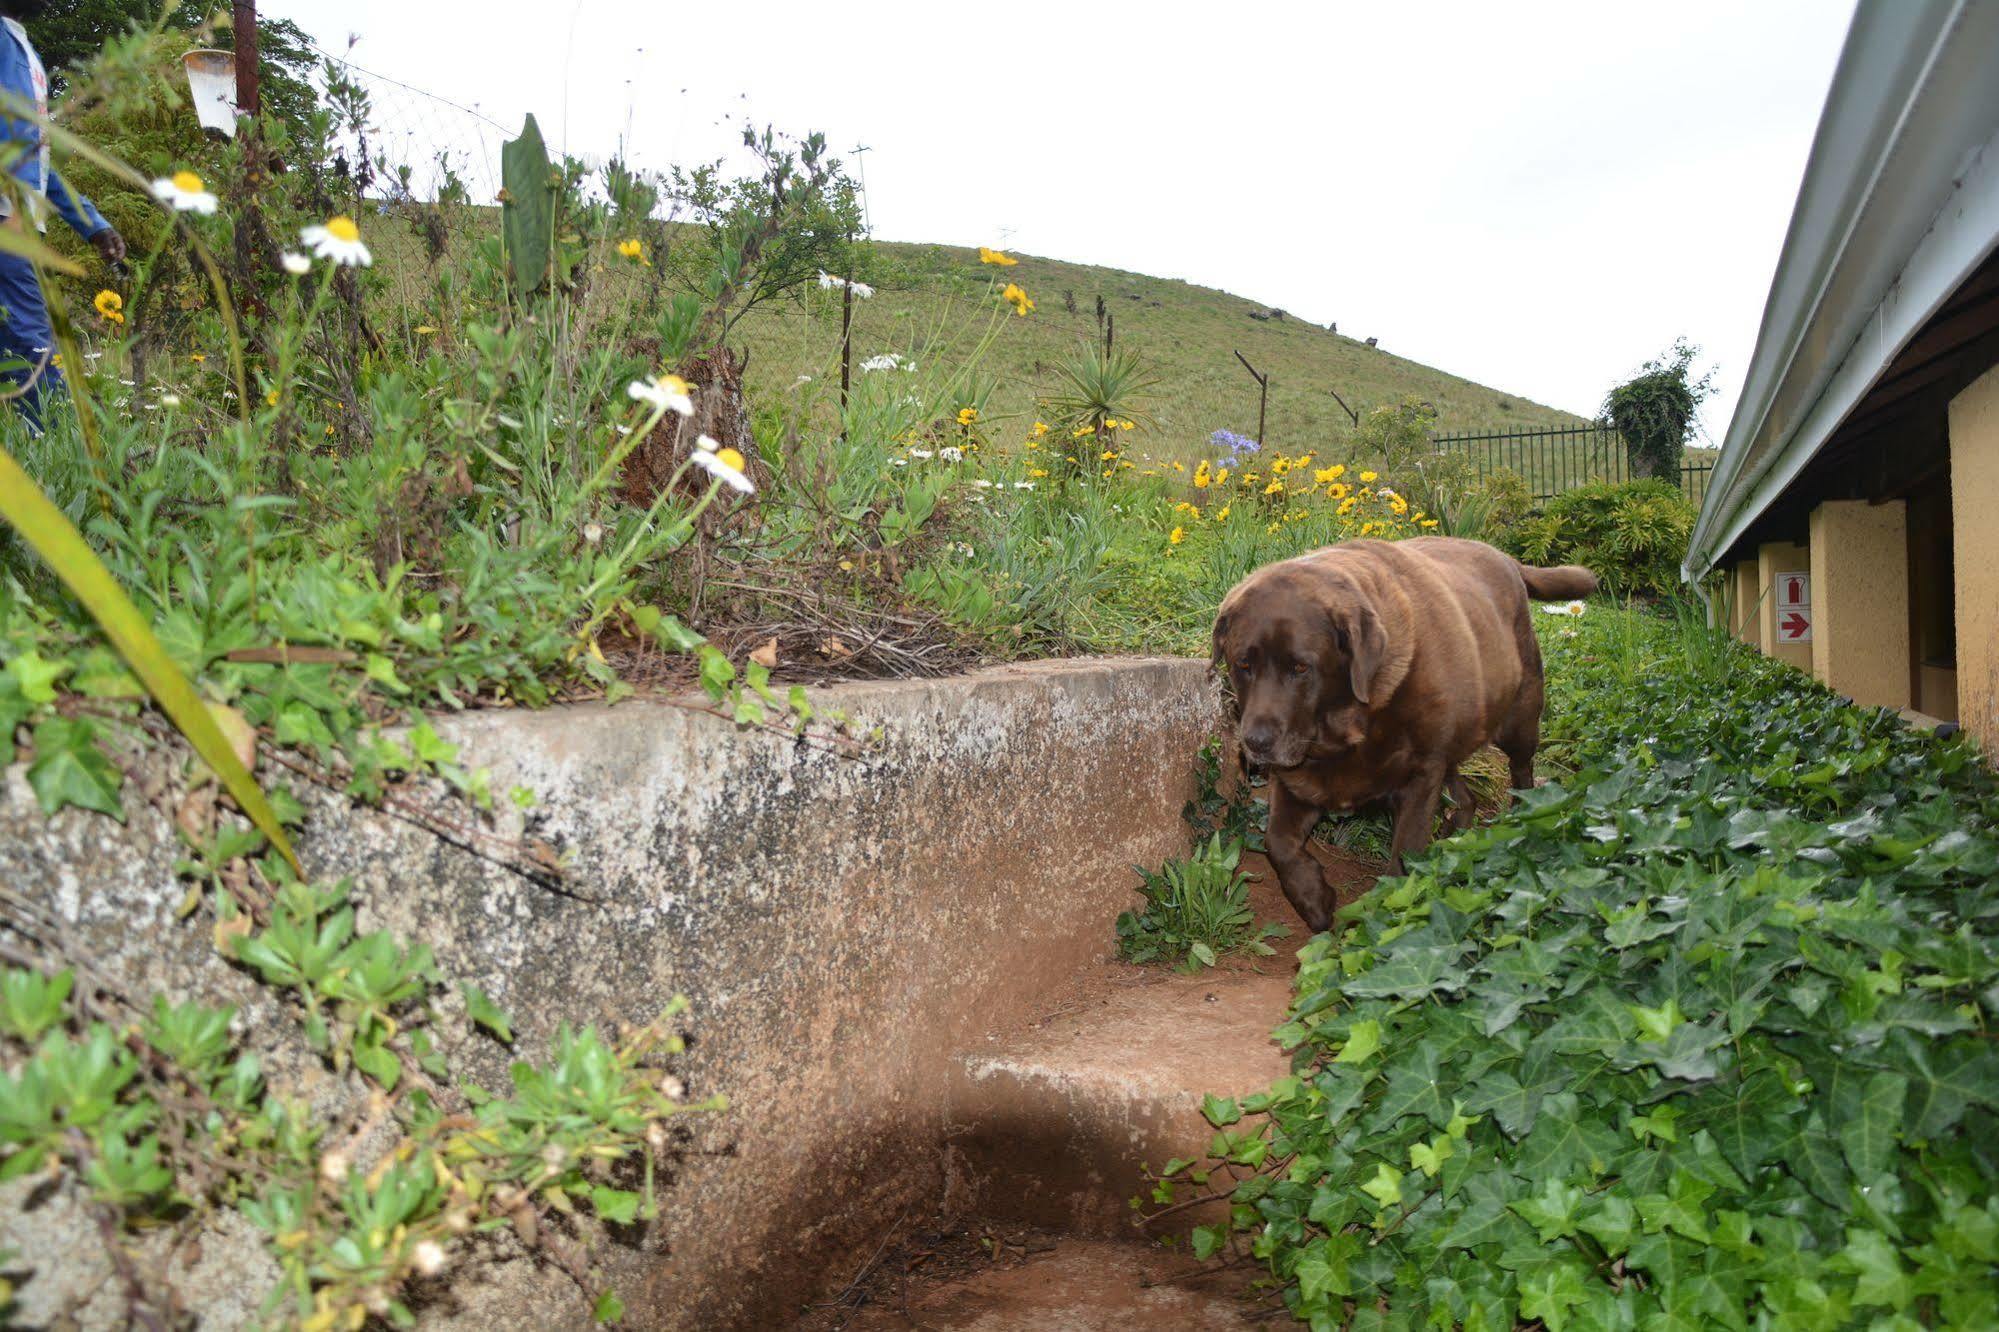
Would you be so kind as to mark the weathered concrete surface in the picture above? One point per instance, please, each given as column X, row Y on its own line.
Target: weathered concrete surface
column 842, row 927
column 1060, row 1125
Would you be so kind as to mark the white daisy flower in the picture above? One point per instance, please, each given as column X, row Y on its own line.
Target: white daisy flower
column 428, row 1257
column 983, row 484
column 170, row 400
column 861, row 289
column 707, row 443
column 184, row 193
column 886, row 361
column 827, row 281
column 295, row 263
column 898, row 462
column 339, row 241
column 1023, row 485
column 921, row 453
column 725, row 465
column 668, row 392
column 952, row 453
column 1574, row 608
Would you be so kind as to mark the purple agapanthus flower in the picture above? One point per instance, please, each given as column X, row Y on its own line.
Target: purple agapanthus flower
column 1233, row 447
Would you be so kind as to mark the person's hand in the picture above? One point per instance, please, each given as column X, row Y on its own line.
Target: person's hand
column 110, row 245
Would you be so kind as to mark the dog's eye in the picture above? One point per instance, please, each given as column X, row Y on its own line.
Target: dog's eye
column 1299, row 668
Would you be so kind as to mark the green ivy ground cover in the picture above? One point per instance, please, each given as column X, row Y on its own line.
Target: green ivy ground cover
column 1700, row 1036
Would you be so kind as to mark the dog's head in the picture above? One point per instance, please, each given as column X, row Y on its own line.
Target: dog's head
column 1304, row 651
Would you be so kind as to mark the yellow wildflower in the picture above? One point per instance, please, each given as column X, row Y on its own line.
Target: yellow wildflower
column 1222, row 513
column 110, row 306
column 1080, row 431
column 1017, row 298
column 1201, row 476
column 1399, row 505
column 1221, row 476
column 634, row 248
column 996, row 257
column 967, row 415
column 1033, row 444
column 1270, row 530
column 271, row 398
column 1368, row 476
column 1338, row 470
column 1280, row 465
column 1338, row 490
column 1346, row 507
column 197, row 357
column 1180, row 467
column 1176, row 536
column 1036, row 472
column 1107, row 455
column 1039, row 430
column 1429, row 522
column 1274, row 488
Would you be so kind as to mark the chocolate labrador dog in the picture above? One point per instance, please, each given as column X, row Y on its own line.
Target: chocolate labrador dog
column 1370, row 670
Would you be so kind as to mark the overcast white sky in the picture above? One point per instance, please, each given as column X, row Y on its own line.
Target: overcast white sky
column 1538, row 196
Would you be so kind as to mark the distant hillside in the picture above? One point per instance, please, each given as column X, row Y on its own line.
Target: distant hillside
column 1186, row 332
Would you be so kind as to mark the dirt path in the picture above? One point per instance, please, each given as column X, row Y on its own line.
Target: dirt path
column 1058, row 1113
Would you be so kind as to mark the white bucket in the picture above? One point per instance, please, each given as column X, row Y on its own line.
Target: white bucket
column 211, row 77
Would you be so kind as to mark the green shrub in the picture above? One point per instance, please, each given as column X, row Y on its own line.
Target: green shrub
column 1196, row 909
column 1633, row 534
column 1697, row 1038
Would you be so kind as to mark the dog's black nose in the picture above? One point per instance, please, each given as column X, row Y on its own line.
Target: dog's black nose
column 1256, row 742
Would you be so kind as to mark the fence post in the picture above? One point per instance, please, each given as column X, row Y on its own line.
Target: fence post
column 243, row 21
column 1262, row 394
column 846, row 335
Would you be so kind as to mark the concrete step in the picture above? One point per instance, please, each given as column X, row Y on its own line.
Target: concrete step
column 1057, row 1124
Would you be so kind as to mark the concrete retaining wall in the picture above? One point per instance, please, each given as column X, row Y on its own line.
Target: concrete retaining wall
column 841, row 926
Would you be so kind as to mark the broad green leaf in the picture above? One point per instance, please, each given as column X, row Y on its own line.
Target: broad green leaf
column 1363, row 1041
column 1386, row 1186
column 1869, row 1129
column 620, row 1206
column 70, row 769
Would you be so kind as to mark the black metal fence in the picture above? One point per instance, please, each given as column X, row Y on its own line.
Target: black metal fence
column 1561, row 458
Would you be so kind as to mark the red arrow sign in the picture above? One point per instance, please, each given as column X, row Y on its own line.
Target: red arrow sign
column 1794, row 625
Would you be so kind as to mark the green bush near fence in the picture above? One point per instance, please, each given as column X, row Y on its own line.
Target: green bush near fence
column 1633, row 535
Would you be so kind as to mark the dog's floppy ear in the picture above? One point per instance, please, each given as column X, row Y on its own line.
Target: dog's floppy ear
column 1359, row 632
column 1218, row 648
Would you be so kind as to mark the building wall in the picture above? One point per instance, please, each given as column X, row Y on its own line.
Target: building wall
column 1860, row 600
column 1974, row 501
column 1772, row 559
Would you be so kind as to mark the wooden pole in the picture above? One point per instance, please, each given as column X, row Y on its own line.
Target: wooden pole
column 1262, row 393
column 846, row 336
column 244, row 21
column 1354, row 415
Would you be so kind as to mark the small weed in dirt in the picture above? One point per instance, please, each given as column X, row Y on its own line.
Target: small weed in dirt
column 1196, row 909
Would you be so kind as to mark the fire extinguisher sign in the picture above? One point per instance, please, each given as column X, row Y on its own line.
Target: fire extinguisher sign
column 1794, row 607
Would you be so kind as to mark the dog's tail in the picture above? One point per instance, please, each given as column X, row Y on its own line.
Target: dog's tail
column 1565, row 583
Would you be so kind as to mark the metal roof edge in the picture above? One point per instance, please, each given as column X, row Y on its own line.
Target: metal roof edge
column 1822, row 341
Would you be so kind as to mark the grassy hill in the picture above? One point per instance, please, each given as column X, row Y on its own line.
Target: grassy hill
column 1186, row 333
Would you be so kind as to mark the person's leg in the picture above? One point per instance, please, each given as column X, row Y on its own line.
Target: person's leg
column 25, row 335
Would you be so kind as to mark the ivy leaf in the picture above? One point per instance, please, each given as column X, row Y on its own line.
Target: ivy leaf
column 69, row 769
column 1879, row 1276
column 1220, row 1110
column 1413, row 1090
column 1386, row 1186
column 1363, row 1040
column 1868, row 1129
column 1940, row 1088
column 1552, row 1212
column 608, row 1308
column 1678, row 1209
column 1820, row 1167
column 1613, row 1223
column 1656, row 1024
column 1550, row 1294
column 1430, row 1157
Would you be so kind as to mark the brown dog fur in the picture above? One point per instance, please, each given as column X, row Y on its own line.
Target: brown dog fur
column 1372, row 669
